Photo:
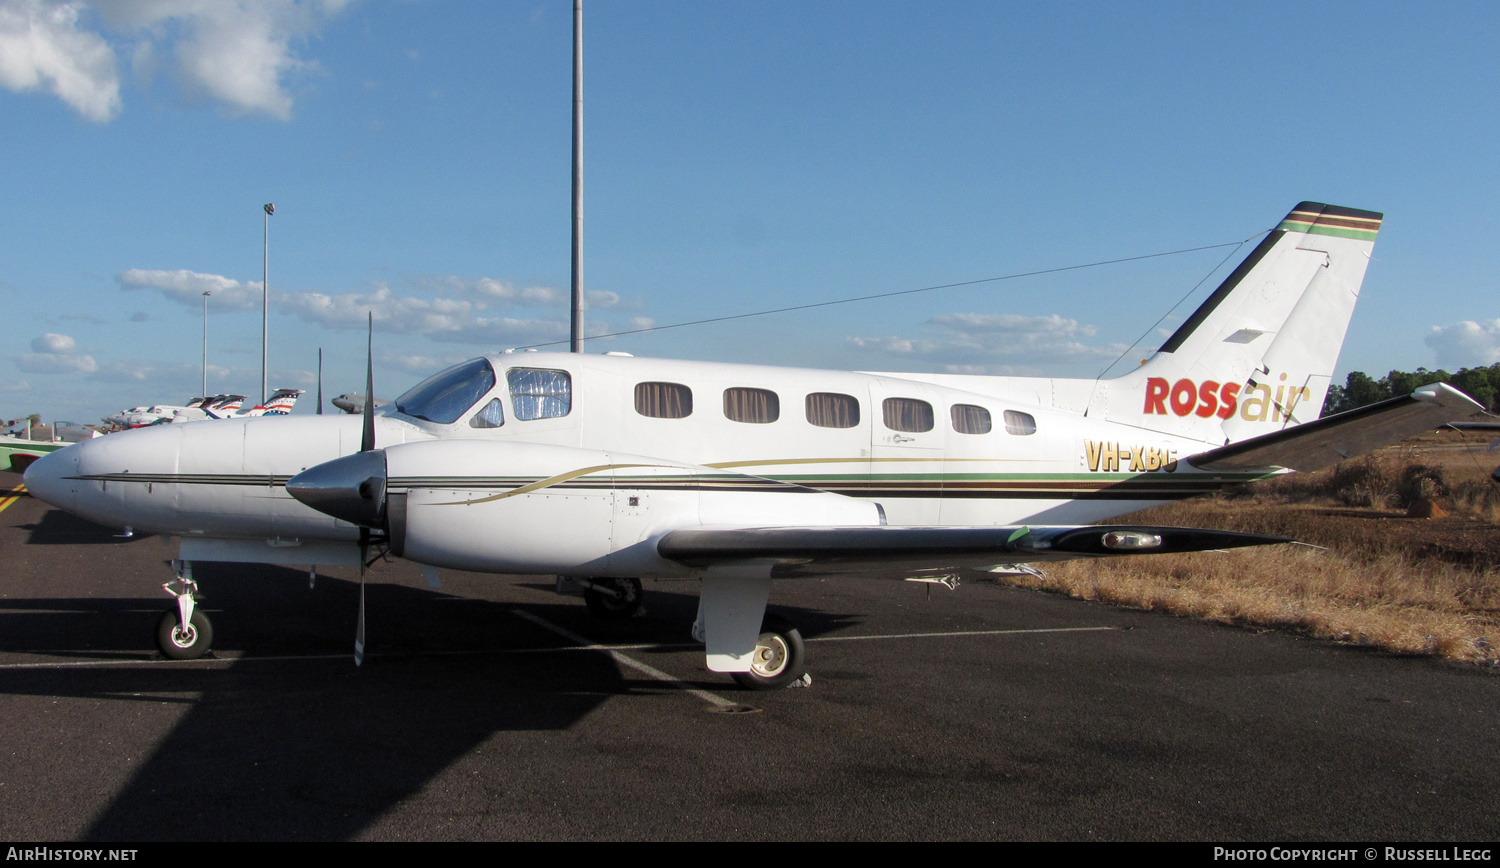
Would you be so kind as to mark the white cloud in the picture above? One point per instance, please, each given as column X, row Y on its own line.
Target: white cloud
column 187, row 287
column 55, row 354
column 392, row 313
column 53, row 343
column 414, row 363
column 1466, row 344
column 238, row 52
column 43, row 47
column 505, row 295
column 136, row 371
column 456, row 317
column 995, row 344
column 488, row 292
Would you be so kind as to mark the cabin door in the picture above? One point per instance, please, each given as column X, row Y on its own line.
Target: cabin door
column 908, row 432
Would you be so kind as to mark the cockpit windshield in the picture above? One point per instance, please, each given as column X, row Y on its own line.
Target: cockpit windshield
column 444, row 396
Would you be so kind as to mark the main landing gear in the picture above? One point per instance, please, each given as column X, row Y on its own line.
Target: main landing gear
column 779, row 658
column 184, row 631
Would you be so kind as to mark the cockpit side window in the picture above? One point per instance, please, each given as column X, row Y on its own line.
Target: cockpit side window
column 446, row 395
column 538, row 393
column 491, row 415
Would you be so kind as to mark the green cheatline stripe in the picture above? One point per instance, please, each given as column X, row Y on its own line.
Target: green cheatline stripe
column 813, row 481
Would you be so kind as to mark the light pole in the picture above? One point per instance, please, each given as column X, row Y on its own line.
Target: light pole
column 204, row 393
column 265, row 303
column 575, row 342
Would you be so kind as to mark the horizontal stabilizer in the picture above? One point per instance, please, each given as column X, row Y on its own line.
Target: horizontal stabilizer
column 911, row 550
column 1324, row 442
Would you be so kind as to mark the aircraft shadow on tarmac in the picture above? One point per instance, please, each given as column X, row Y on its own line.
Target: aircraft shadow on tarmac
column 58, row 528
column 318, row 749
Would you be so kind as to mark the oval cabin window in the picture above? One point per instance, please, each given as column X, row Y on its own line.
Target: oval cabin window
column 971, row 419
column 751, row 405
column 1020, row 423
column 663, row 400
column 907, row 414
column 832, row 410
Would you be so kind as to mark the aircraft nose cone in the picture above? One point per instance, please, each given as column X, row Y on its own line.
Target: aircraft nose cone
column 47, row 477
column 351, row 488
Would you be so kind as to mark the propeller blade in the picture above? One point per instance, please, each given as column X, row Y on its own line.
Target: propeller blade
column 367, row 439
column 359, row 630
column 320, row 381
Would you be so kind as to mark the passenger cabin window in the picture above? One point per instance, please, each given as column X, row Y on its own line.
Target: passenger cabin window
column 491, row 415
column 907, row 414
column 538, row 393
column 663, row 400
column 971, row 419
column 1020, row 423
column 751, row 405
column 447, row 395
column 832, row 410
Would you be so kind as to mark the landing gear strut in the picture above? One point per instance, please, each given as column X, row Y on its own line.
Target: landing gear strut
column 184, row 631
column 779, row 658
column 615, row 599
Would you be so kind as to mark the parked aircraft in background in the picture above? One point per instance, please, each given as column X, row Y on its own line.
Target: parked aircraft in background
column 29, row 440
column 608, row 468
column 354, row 403
column 212, row 407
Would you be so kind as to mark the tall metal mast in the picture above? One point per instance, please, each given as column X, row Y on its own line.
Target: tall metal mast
column 575, row 344
column 265, row 300
column 206, row 294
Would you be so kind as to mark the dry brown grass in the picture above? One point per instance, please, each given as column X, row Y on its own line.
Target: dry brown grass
column 1371, row 576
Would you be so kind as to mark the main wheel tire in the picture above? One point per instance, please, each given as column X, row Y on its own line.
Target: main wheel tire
column 624, row 603
column 779, row 659
column 189, row 644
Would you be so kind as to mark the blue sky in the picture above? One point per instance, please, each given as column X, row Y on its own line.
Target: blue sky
column 738, row 156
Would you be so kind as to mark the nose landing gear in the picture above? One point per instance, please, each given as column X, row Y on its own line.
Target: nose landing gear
column 614, row 598
column 184, row 631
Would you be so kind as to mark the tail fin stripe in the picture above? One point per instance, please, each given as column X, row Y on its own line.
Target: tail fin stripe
column 1315, row 218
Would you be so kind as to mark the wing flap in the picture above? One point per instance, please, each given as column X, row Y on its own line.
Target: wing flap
column 1327, row 441
column 903, row 551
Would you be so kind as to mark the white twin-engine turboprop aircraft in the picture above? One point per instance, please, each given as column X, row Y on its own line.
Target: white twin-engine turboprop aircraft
column 609, row 468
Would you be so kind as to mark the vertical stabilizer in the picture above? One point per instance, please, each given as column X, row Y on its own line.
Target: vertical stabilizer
column 279, row 404
column 1258, row 354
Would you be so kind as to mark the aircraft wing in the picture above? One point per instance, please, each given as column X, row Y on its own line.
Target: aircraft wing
column 911, row 552
column 1323, row 442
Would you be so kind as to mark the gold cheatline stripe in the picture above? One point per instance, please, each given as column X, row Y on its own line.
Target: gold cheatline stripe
column 767, row 462
column 543, row 483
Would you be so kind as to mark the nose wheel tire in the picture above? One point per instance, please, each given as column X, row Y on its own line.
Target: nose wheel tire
column 178, row 643
column 616, row 599
column 779, row 657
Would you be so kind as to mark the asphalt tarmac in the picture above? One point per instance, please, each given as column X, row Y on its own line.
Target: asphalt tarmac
column 987, row 712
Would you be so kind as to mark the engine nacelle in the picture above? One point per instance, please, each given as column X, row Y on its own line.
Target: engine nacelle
column 507, row 507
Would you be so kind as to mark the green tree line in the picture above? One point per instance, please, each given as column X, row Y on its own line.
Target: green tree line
column 1359, row 389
